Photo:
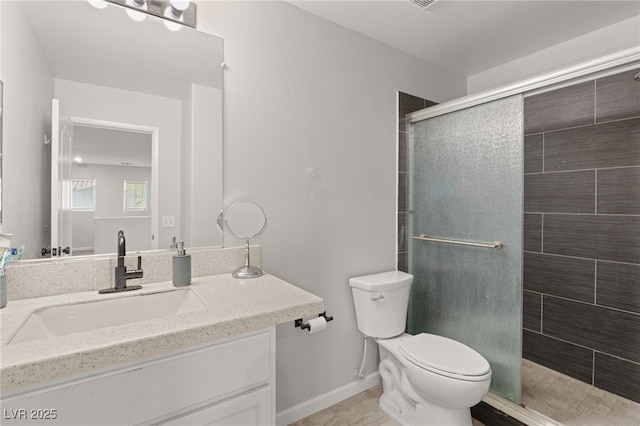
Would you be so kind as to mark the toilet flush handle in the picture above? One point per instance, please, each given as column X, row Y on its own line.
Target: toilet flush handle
column 379, row 298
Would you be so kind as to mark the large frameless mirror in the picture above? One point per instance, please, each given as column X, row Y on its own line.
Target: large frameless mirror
column 110, row 124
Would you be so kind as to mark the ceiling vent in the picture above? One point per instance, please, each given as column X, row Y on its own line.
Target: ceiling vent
column 423, row 4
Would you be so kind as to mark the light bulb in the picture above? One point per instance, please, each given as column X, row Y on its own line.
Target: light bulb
column 98, row 4
column 180, row 4
column 172, row 26
column 174, row 14
column 175, row 9
column 135, row 14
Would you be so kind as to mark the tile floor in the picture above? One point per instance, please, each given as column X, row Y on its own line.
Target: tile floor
column 361, row 409
column 563, row 399
column 572, row 402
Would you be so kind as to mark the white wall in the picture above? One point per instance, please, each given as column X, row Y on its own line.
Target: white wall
column 28, row 89
column 310, row 133
column 122, row 106
column 185, row 174
column 612, row 38
column 0, row 43
column 202, row 150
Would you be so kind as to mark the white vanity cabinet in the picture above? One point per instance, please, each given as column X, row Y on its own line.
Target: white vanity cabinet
column 228, row 382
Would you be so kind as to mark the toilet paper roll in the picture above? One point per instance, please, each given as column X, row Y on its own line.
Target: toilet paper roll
column 316, row 325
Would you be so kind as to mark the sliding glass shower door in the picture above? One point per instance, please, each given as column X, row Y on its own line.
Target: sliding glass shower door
column 467, row 186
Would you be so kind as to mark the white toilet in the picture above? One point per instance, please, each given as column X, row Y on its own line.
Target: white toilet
column 427, row 379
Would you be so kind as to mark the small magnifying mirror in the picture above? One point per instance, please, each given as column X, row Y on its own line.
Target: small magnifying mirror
column 246, row 221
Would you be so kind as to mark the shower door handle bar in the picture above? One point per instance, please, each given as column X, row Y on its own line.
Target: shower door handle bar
column 493, row 245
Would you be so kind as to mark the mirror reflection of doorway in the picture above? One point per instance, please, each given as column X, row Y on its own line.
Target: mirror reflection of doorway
column 112, row 184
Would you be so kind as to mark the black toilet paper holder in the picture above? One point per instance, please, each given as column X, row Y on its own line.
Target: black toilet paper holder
column 303, row 326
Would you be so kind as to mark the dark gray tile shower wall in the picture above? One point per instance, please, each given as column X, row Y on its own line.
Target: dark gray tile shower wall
column 582, row 232
column 560, row 276
column 618, row 191
column 567, row 107
column 598, row 146
column 572, row 192
column 570, row 359
column 533, row 232
column 618, row 286
column 616, row 375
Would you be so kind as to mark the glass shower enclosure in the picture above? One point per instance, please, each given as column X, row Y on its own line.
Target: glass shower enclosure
column 466, row 221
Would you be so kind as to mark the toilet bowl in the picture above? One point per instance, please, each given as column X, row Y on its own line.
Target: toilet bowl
column 440, row 377
column 427, row 379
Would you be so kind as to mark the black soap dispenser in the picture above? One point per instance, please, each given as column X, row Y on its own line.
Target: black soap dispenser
column 181, row 267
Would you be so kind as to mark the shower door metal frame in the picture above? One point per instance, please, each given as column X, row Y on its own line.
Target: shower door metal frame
column 614, row 62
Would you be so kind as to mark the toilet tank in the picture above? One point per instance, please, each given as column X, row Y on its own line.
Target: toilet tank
column 381, row 302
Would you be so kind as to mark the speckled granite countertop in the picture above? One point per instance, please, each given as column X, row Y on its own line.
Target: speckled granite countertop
column 234, row 307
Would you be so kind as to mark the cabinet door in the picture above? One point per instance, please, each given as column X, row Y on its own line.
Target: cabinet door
column 195, row 377
column 84, row 402
column 249, row 409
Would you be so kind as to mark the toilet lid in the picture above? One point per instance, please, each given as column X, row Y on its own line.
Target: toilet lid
column 443, row 354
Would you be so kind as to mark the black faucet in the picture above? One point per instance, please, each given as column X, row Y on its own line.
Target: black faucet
column 121, row 271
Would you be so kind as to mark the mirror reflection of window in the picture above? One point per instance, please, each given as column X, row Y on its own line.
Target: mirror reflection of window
column 83, row 194
column 135, row 196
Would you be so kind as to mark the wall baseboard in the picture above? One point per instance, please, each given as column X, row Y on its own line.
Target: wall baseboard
column 328, row 399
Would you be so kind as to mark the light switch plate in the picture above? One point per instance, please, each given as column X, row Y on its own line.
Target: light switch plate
column 168, row 221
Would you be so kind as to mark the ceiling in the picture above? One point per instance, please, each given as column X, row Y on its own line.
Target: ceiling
column 113, row 147
column 468, row 37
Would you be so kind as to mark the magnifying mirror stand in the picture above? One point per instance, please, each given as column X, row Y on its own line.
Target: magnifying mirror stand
column 246, row 221
column 247, row 271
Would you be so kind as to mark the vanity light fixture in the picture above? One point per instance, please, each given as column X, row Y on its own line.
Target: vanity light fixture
column 174, row 13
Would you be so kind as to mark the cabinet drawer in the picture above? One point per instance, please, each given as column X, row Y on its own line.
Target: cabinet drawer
column 249, row 409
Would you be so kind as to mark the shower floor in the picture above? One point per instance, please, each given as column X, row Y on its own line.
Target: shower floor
column 572, row 402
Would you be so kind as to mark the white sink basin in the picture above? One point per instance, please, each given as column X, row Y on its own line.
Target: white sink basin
column 94, row 315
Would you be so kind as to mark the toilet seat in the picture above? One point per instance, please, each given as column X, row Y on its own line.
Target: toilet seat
column 445, row 356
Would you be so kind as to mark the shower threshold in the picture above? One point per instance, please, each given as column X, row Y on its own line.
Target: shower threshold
column 510, row 413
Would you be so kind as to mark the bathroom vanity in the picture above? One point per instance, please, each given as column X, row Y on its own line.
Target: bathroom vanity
column 212, row 363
